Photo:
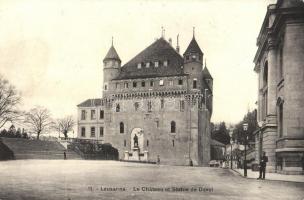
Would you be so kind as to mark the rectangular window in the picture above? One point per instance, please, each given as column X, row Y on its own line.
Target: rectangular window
column 147, row 65
column 171, row 83
column 162, row 103
column 93, row 114
column 143, row 84
column 157, row 124
column 166, row 63
column 125, row 143
column 147, row 143
column 149, row 106
column 92, row 131
column 161, row 82
column 106, row 87
column 83, row 115
column 134, row 84
column 117, row 85
column 139, row 66
column 180, row 82
column 151, row 83
column 173, row 143
column 83, row 132
column 194, row 83
column 281, row 72
column 156, row 63
column 101, row 114
column 101, row 131
column 182, row 105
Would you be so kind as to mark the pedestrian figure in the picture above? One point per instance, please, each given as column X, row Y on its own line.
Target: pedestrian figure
column 64, row 155
column 264, row 160
column 158, row 160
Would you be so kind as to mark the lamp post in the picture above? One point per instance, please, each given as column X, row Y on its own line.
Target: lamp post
column 231, row 142
column 259, row 142
column 245, row 128
column 231, row 153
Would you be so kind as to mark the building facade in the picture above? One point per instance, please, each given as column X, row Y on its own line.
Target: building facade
column 279, row 65
column 156, row 107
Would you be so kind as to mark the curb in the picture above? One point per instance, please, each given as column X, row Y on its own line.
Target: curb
column 240, row 174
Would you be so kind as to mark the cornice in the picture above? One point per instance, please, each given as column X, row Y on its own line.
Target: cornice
column 268, row 37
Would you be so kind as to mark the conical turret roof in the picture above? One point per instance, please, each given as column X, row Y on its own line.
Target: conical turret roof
column 206, row 73
column 193, row 48
column 112, row 54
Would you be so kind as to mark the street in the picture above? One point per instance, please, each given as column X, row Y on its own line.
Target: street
column 81, row 179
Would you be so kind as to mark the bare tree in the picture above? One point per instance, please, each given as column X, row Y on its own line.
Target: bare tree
column 38, row 120
column 9, row 100
column 65, row 125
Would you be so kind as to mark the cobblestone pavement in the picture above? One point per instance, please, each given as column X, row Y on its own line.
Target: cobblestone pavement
column 81, row 179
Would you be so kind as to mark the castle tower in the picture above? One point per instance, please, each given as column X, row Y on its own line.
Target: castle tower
column 111, row 69
column 193, row 65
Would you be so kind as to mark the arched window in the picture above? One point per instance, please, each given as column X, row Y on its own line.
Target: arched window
column 136, row 106
column 117, row 108
column 280, row 120
column 265, row 75
column 121, row 127
column 173, row 127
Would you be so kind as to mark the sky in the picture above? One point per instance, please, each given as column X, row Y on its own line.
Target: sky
column 52, row 50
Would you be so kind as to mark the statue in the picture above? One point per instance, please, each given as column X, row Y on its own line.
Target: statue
column 135, row 141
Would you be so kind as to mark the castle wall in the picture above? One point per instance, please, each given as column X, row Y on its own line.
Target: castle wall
column 156, row 126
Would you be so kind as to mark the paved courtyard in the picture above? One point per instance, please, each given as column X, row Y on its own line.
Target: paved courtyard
column 80, row 179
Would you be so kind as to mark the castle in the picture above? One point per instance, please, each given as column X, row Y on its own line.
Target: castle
column 156, row 107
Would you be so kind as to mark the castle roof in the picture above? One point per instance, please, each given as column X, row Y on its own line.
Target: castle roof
column 112, row 54
column 90, row 103
column 160, row 51
column 206, row 73
column 193, row 48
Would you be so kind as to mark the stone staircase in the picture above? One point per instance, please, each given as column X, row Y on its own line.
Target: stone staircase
column 37, row 149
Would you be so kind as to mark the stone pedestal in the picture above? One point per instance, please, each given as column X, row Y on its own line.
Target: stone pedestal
column 126, row 155
column 146, row 156
column 135, row 155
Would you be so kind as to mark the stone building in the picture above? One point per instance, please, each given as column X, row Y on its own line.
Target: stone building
column 156, row 106
column 279, row 65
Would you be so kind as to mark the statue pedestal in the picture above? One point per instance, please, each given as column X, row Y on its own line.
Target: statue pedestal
column 135, row 154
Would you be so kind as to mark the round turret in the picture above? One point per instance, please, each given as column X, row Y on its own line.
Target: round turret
column 193, row 65
column 111, row 68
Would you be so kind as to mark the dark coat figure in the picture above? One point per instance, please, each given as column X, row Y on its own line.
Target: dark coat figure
column 135, row 141
column 264, row 160
column 64, row 155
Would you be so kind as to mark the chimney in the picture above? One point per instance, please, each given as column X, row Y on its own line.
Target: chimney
column 177, row 45
column 170, row 41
